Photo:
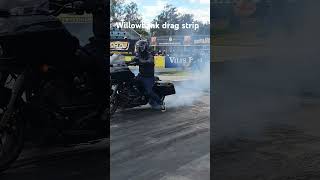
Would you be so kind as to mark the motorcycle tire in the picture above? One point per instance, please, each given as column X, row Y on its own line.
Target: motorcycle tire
column 114, row 104
column 11, row 141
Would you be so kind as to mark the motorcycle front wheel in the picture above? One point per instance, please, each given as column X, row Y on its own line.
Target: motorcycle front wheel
column 11, row 139
column 114, row 100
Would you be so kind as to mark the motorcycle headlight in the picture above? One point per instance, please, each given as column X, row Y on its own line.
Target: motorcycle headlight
column 1, row 51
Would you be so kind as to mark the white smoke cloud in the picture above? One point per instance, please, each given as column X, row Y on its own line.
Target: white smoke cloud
column 189, row 92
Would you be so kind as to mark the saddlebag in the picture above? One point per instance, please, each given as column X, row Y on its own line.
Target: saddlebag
column 164, row 88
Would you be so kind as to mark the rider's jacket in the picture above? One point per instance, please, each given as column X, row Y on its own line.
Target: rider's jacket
column 146, row 64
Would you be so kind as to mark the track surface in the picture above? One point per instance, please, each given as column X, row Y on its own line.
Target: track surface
column 266, row 119
column 80, row 162
column 147, row 144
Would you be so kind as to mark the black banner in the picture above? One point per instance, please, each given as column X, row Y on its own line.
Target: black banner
column 199, row 40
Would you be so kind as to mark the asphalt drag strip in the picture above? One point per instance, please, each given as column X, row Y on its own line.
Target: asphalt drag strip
column 76, row 162
column 148, row 144
column 266, row 120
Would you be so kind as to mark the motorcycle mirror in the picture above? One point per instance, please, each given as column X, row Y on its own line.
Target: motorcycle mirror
column 79, row 7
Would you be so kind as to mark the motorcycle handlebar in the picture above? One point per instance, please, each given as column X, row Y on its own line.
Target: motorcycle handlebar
column 70, row 6
column 127, row 63
column 131, row 63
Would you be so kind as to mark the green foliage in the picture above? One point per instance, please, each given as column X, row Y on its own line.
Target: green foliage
column 171, row 15
column 126, row 12
column 116, row 10
column 129, row 13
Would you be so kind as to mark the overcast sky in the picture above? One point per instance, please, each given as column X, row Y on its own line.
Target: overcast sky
column 149, row 9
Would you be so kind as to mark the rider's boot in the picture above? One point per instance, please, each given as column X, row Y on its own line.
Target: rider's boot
column 163, row 107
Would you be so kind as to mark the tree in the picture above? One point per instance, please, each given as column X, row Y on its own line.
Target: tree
column 127, row 13
column 132, row 15
column 116, row 10
column 204, row 29
column 185, row 18
column 168, row 15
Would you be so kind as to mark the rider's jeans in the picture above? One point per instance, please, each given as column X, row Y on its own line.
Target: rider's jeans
column 148, row 83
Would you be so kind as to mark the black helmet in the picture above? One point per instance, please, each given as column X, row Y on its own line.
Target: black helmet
column 141, row 46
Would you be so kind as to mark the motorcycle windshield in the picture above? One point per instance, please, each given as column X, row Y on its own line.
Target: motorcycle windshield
column 23, row 7
column 117, row 59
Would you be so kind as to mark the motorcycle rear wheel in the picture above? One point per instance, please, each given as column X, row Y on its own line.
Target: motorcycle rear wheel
column 11, row 140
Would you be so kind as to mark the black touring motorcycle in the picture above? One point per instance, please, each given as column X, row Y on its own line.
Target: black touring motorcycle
column 126, row 91
column 44, row 99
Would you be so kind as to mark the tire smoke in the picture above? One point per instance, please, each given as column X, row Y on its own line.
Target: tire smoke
column 189, row 91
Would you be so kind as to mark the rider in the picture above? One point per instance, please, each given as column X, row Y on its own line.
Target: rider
column 145, row 60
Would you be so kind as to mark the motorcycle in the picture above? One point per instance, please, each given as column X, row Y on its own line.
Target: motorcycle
column 126, row 91
column 42, row 100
